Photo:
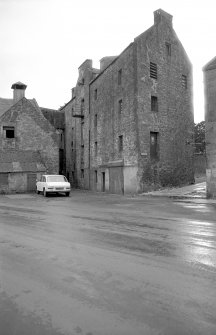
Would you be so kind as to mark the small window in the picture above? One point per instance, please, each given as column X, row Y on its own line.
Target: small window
column 154, row 147
column 82, row 155
column 96, row 177
column 120, row 107
column 82, row 133
column 168, row 49
column 95, row 94
column 154, row 104
column 9, row 132
column 184, row 82
column 120, row 143
column 82, row 106
column 120, row 77
column 82, row 173
column 153, row 70
column 95, row 121
column 96, row 149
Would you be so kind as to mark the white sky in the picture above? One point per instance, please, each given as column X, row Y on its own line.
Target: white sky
column 43, row 42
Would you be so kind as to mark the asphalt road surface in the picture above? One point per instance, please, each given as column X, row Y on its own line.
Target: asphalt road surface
column 97, row 264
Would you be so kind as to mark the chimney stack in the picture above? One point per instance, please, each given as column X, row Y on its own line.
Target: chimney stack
column 162, row 16
column 19, row 91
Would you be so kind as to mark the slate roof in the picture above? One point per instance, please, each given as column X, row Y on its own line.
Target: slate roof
column 21, row 161
column 5, row 104
column 210, row 65
column 55, row 117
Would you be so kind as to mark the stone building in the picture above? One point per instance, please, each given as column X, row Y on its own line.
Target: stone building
column 209, row 71
column 29, row 143
column 129, row 124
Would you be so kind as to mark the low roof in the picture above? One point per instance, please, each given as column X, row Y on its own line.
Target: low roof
column 210, row 65
column 5, row 104
column 21, row 161
column 55, row 117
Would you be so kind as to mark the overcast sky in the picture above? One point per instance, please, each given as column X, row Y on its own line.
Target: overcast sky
column 43, row 42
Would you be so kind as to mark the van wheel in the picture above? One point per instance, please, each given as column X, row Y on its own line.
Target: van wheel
column 67, row 194
column 44, row 193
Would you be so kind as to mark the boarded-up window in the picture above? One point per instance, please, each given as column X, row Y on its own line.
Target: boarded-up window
column 96, row 149
column 154, row 145
column 154, row 104
column 153, row 70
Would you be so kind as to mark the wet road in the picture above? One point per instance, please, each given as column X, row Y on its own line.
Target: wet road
column 96, row 264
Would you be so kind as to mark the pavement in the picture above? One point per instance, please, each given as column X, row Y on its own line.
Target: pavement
column 194, row 191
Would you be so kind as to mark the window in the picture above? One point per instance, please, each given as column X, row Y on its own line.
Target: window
column 82, row 155
column 120, row 143
column 168, row 49
column 82, row 173
column 153, row 70
column 96, row 149
column 95, row 94
column 120, row 107
column 81, row 135
column 154, row 104
column 184, row 82
column 120, row 77
column 82, row 106
column 95, row 121
column 96, row 177
column 154, row 147
column 9, row 132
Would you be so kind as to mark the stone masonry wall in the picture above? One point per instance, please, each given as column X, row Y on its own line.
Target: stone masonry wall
column 210, row 127
column 32, row 132
column 174, row 119
column 111, row 121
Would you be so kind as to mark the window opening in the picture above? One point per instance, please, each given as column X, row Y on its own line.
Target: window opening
column 184, row 82
column 154, row 104
column 153, row 70
column 120, row 143
column 120, row 77
column 154, row 147
column 120, row 107
column 168, row 49
column 96, row 149
column 95, row 94
column 9, row 132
